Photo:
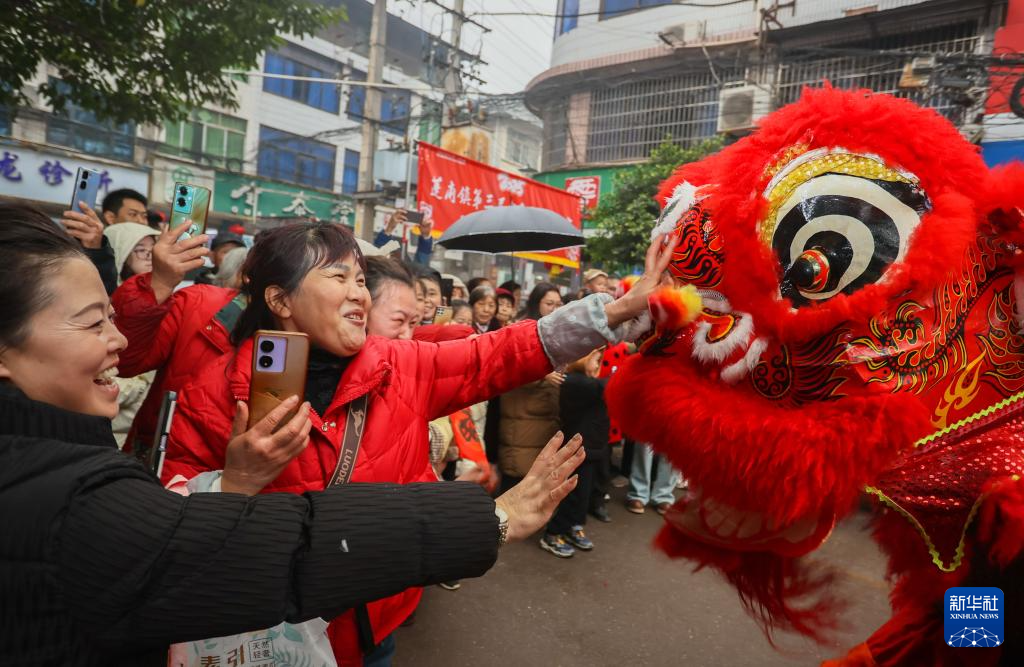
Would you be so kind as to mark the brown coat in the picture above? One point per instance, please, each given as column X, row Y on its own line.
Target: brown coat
column 529, row 417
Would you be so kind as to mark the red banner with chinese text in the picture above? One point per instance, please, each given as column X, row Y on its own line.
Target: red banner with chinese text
column 587, row 188
column 451, row 186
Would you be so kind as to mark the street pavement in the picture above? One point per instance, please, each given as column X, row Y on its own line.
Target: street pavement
column 625, row 605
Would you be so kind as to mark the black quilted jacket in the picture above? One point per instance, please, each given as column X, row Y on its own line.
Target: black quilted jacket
column 101, row 566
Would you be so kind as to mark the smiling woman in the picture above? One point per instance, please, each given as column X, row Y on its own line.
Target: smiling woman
column 309, row 278
column 103, row 566
column 58, row 290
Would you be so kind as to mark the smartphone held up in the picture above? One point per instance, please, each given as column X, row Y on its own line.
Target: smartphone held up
column 279, row 363
column 191, row 206
column 442, row 315
column 87, row 186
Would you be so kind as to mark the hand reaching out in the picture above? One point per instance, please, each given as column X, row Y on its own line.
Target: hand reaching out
column 396, row 219
column 555, row 378
column 426, row 227
column 634, row 302
column 530, row 503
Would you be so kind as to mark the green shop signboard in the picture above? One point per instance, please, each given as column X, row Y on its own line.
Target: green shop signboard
column 238, row 194
column 591, row 185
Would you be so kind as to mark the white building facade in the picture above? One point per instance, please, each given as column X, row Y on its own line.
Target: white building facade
column 289, row 150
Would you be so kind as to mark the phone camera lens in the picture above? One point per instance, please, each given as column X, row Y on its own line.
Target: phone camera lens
column 181, row 201
column 81, row 186
column 267, row 346
column 266, row 362
column 85, row 175
column 183, row 190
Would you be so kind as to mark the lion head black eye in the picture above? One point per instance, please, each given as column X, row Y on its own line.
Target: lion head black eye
column 837, row 233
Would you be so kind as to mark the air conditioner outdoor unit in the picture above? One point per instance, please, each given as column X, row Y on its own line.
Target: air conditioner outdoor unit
column 740, row 107
column 683, row 34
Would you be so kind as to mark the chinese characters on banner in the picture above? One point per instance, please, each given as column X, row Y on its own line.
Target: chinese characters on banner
column 587, row 188
column 451, row 186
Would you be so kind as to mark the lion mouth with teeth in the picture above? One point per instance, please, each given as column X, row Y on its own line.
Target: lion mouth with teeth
column 856, row 262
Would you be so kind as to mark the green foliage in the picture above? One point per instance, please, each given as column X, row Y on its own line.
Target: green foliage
column 625, row 218
column 144, row 60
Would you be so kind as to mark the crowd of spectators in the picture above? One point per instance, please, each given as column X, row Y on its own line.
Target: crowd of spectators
column 413, row 378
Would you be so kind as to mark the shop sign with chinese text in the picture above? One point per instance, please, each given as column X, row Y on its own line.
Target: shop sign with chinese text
column 240, row 194
column 27, row 173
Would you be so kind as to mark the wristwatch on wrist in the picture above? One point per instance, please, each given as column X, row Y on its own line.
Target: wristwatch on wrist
column 502, row 525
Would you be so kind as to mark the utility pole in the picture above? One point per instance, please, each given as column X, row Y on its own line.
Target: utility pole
column 366, row 208
column 452, row 82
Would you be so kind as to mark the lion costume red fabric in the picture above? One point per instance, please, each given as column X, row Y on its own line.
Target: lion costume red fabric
column 860, row 331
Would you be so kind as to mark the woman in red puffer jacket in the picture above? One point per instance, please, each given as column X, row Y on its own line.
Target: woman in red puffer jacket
column 309, row 278
column 174, row 337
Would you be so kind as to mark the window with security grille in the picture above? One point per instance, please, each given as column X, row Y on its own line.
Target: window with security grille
column 878, row 71
column 629, row 119
column 555, row 116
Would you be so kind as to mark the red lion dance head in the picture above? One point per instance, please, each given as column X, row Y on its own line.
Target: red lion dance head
column 860, row 331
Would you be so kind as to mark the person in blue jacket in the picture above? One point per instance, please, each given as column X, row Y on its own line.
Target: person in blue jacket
column 396, row 222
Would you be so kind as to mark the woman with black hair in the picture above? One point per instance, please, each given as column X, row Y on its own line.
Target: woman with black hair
column 310, row 278
column 102, row 566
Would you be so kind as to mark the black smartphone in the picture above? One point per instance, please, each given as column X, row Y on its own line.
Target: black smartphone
column 447, row 287
column 158, row 448
column 415, row 217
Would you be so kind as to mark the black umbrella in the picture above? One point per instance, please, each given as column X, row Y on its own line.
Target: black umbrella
column 511, row 229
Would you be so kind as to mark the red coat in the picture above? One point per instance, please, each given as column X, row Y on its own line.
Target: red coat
column 186, row 333
column 409, row 382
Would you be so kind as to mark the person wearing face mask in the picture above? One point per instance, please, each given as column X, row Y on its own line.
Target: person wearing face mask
column 310, row 278
column 102, row 566
column 175, row 337
column 132, row 244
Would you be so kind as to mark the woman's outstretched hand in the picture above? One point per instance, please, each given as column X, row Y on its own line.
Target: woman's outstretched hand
column 634, row 302
column 530, row 503
column 255, row 458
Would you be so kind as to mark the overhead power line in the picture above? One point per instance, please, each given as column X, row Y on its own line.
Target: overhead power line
column 704, row 5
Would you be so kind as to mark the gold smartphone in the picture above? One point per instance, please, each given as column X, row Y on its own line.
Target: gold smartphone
column 279, row 363
column 191, row 205
column 442, row 315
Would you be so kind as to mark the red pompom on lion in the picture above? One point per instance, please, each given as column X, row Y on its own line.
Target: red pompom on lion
column 862, row 279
